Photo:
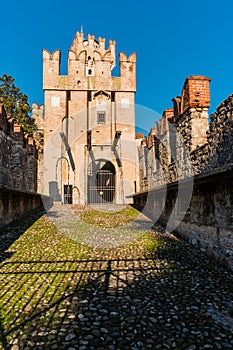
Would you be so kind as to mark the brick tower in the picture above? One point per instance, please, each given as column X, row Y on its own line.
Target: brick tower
column 89, row 124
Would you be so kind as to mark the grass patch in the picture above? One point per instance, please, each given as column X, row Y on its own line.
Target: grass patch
column 110, row 219
column 40, row 271
column 149, row 243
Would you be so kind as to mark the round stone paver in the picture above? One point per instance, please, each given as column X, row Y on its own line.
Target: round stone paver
column 166, row 295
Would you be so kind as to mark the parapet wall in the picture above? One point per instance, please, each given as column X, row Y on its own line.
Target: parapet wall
column 187, row 144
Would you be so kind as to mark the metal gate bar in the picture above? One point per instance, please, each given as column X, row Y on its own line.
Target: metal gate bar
column 101, row 187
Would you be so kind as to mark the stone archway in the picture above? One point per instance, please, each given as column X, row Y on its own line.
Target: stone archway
column 101, row 182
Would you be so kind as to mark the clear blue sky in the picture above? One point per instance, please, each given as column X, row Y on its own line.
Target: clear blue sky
column 172, row 39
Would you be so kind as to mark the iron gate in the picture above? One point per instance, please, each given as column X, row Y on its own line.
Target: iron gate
column 101, row 186
column 68, row 194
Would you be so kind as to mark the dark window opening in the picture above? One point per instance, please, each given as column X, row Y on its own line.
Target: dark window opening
column 89, row 71
column 113, row 96
column 89, row 96
column 101, row 117
column 68, row 95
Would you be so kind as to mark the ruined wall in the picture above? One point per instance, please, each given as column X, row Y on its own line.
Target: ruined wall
column 200, row 151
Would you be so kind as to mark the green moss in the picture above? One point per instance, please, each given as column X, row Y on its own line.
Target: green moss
column 150, row 243
column 110, row 219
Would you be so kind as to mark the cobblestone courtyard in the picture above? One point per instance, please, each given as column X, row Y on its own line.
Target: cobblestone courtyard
column 70, row 284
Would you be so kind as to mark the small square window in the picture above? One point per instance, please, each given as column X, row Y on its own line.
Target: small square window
column 101, row 117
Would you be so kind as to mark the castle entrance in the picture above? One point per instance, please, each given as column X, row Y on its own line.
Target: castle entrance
column 101, row 182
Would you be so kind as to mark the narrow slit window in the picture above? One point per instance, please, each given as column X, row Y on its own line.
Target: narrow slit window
column 89, row 96
column 100, row 117
column 113, row 96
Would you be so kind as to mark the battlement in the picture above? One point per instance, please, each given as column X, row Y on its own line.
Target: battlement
column 124, row 58
column 195, row 93
column 91, row 48
column 37, row 114
column 79, row 40
column 168, row 113
column 89, row 58
column 3, row 118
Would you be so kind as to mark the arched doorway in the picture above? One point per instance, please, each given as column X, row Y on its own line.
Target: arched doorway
column 101, row 181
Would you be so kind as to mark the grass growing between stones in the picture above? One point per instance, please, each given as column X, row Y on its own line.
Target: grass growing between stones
column 149, row 243
column 40, row 271
column 44, row 241
column 57, row 293
column 110, row 219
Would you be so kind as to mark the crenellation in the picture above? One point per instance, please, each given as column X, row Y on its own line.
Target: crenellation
column 3, row 119
column 38, row 115
column 128, row 71
column 176, row 107
column 195, row 93
column 102, row 43
column 168, row 113
column 19, row 134
column 208, row 144
column 111, row 45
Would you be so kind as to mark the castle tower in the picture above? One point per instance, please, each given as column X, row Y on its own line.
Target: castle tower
column 89, row 123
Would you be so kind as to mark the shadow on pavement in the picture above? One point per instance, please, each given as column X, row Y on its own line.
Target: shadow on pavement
column 160, row 302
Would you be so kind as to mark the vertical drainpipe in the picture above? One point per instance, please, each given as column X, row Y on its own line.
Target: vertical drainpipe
column 86, row 153
column 67, row 127
column 113, row 115
column 67, row 115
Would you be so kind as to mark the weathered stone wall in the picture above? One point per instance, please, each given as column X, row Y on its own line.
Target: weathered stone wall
column 198, row 150
column 185, row 144
column 208, row 222
column 15, row 204
column 18, row 171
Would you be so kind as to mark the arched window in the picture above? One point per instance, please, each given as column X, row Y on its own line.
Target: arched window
column 89, row 71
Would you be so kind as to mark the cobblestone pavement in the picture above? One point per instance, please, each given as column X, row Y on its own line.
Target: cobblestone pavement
column 154, row 291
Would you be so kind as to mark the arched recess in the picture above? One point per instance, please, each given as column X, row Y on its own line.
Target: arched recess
column 101, row 181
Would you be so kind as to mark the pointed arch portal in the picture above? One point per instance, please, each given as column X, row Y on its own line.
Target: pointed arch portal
column 101, row 181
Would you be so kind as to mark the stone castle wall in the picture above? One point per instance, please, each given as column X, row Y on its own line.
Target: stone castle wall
column 186, row 147
column 18, row 171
